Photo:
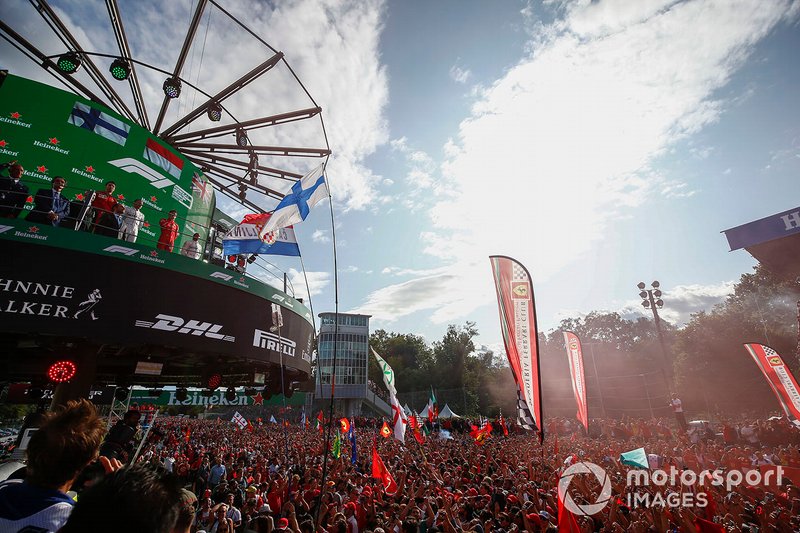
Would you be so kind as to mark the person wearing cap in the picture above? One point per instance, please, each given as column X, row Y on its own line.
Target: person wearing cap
column 350, row 517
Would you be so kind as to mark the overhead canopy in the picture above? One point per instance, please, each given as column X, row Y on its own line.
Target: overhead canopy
column 774, row 241
column 447, row 412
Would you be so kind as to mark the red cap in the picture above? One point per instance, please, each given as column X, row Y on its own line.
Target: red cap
column 283, row 523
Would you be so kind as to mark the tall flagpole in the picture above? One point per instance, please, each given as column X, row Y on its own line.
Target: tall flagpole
column 335, row 346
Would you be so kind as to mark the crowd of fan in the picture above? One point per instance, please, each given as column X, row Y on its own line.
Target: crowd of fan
column 209, row 475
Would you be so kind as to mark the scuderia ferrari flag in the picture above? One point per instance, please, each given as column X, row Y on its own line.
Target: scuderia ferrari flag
column 780, row 379
column 518, row 322
column 575, row 356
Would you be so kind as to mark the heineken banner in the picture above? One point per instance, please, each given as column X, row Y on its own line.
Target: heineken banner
column 52, row 132
column 103, row 298
column 216, row 398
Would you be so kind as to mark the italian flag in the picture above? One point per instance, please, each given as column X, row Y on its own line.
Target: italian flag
column 432, row 408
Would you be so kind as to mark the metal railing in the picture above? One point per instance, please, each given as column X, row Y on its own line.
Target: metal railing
column 83, row 217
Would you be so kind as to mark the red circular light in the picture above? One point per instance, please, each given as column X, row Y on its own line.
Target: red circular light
column 61, row 371
column 214, row 381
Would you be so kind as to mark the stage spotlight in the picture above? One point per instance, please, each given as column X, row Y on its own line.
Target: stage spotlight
column 251, row 259
column 242, row 191
column 120, row 69
column 69, row 63
column 61, row 371
column 214, row 112
column 241, row 138
column 172, row 87
column 121, row 394
column 181, row 394
column 230, row 394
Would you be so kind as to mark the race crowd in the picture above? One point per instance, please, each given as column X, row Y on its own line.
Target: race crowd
column 212, row 476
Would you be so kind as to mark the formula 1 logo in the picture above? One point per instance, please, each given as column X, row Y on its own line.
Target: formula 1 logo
column 283, row 300
column 221, row 275
column 120, row 249
column 137, row 167
column 193, row 327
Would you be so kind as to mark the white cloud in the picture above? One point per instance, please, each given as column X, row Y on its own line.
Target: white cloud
column 577, row 126
column 460, row 75
column 317, row 281
column 352, row 90
column 681, row 302
column 321, row 236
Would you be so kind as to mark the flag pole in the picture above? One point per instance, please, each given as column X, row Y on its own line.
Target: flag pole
column 335, row 344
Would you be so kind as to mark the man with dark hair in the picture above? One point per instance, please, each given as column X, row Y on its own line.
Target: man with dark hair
column 65, row 443
column 104, row 201
column 119, row 441
column 13, row 193
column 49, row 205
column 110, row 224
column 169, row 230
column 136, row 499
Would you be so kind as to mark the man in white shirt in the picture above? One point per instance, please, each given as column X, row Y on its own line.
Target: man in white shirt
column 191, row 248
column 677, row 408
column 132, row 220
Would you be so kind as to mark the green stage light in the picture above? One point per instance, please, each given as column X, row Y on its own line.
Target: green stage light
column 120, row 69
column 69, row 63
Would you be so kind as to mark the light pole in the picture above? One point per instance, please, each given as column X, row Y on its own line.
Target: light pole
column 651, row 299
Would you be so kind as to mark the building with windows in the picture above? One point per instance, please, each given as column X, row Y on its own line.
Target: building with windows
column 348, row 342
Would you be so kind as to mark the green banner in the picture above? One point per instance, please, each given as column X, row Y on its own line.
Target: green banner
column 22, row 231
column 52, row 132
column 217, row 398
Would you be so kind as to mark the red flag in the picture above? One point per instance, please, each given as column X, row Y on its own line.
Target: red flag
column 415, row 427
column 704, row 526
column 481, row 434
column 386, row 431
column 379, row 471
column 320, row 421
column 188, row 433
column 575, row 356
column 780, row 379
column 345, row 425
column 503, row 425
column 566, row 520
column 518, row 323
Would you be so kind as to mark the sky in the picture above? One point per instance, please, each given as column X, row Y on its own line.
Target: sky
column 599, row 143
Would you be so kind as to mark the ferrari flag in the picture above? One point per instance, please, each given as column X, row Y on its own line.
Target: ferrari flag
column 575, row 356
column 780, row 379
column 518, row 323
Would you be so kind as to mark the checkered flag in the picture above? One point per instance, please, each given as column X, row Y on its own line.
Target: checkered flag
column 524, row 417
column 518, row 273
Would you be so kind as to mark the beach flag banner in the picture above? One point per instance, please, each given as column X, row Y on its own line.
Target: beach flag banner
column 575, row 356
column 780, row 379
column 518, row 324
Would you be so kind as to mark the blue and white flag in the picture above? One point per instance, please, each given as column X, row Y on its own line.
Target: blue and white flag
column 304, row 195
column 351, row 435
column 252, row 237
column 103, row 124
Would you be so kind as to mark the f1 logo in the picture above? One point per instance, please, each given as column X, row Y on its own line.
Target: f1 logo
column 120, row 249
column 221, row 275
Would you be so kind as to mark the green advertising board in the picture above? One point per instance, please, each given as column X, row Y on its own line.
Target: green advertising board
column 52, row 132
column 216, row 398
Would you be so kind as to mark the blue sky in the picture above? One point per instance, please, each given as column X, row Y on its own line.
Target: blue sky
column 600, row 143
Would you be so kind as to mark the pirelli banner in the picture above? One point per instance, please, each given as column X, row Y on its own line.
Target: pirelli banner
column 57, row 291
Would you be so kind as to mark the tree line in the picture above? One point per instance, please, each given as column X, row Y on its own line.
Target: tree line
column 626, row 370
